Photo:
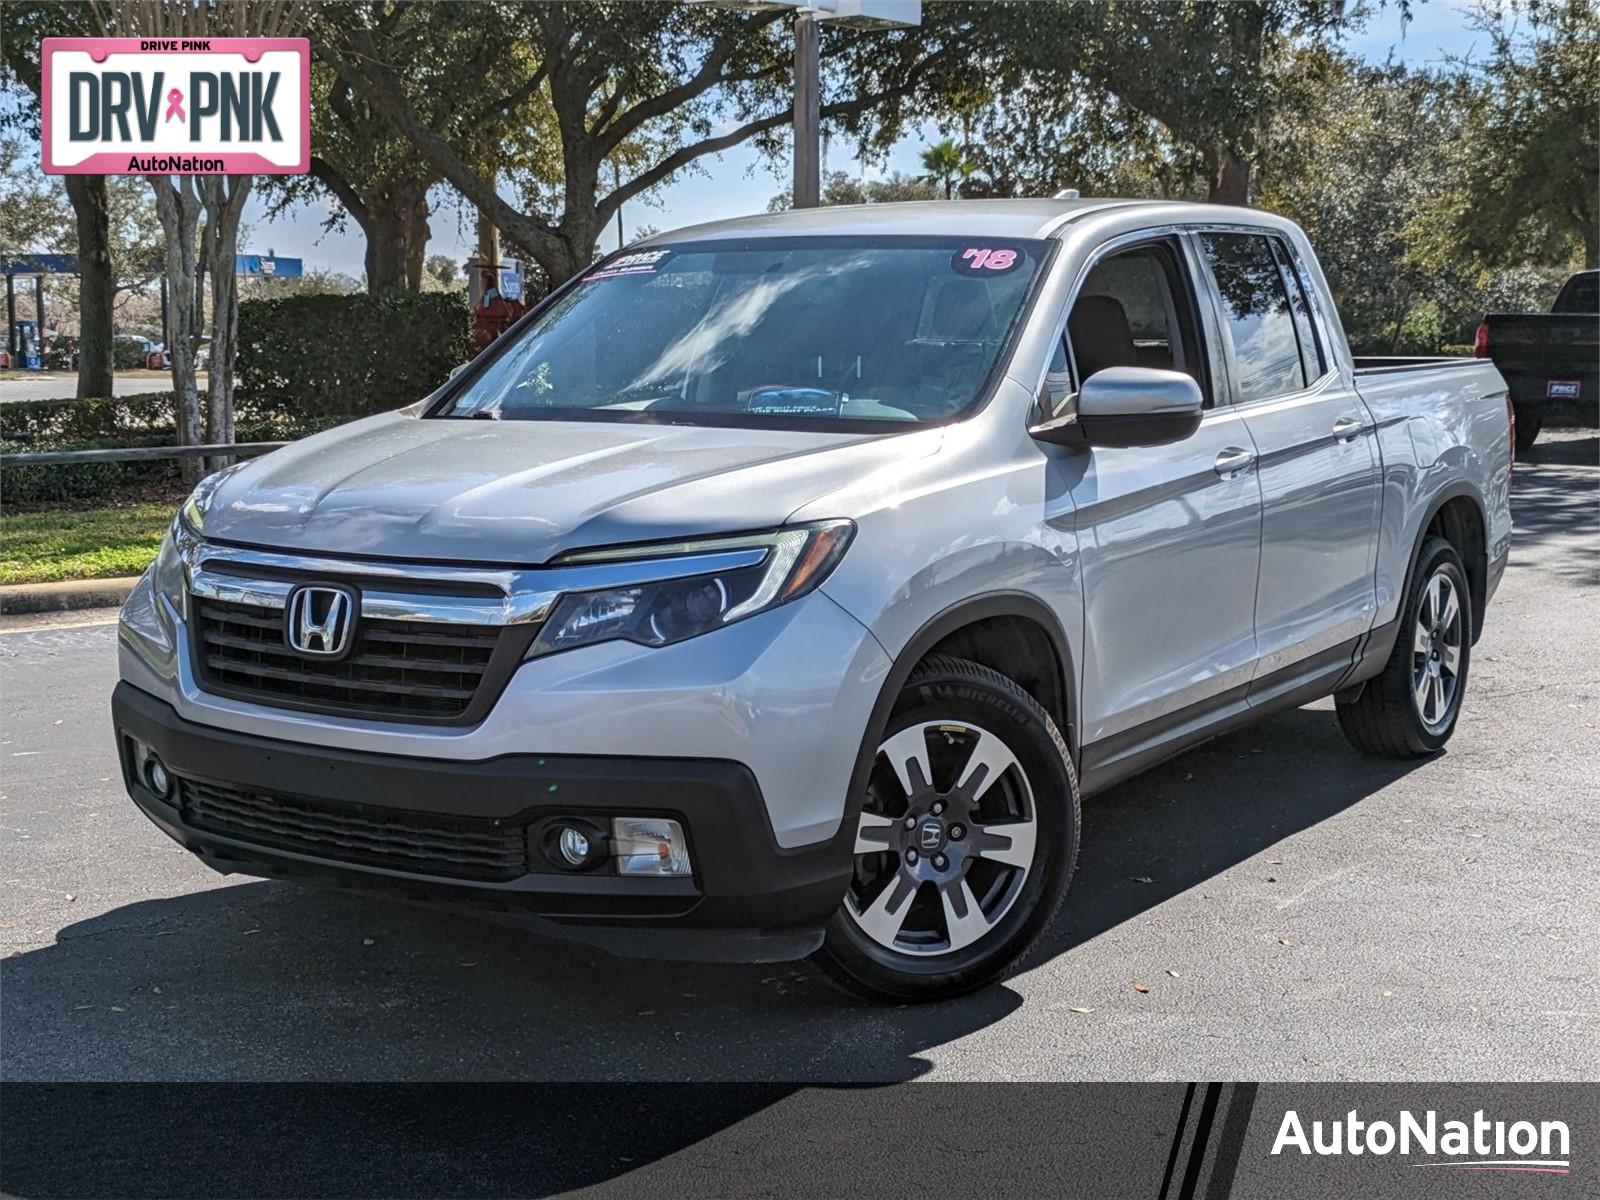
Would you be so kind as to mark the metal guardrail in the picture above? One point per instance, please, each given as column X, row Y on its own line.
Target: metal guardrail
column 40, row 458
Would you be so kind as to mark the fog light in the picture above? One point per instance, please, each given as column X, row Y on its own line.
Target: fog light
column 574, row 845
column 155, row 774
column 649, row 846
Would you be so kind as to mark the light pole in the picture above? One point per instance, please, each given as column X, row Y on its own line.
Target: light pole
column 809, row 15
column 807, row 110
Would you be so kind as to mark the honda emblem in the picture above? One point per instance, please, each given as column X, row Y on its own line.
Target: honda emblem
column 320, row 620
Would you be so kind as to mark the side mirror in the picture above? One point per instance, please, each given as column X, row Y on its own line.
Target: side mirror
column 1133, row 406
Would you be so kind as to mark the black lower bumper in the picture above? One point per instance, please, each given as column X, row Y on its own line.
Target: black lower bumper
column 392, row 823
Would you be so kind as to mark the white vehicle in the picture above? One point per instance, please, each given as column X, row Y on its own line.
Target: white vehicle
column 781, row 586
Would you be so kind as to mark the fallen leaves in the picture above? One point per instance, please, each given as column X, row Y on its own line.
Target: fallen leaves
column 1141, row 988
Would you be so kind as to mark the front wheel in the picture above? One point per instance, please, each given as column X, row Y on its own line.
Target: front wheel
column 966, row 840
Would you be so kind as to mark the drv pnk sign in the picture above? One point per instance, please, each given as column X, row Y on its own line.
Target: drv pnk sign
column 178, row 106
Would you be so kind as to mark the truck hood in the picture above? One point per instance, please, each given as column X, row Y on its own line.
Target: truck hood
column 520, row 492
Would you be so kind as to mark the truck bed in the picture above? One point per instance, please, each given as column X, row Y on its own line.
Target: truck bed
column 1415, row 401
column 1378, row 365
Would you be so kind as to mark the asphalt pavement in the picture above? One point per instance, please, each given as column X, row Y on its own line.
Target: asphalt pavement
column 62, row 385
column 1296, row 911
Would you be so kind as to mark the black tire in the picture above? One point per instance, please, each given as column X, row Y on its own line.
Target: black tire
column 972, row 700
column 1387, row 719
column 1529, row 422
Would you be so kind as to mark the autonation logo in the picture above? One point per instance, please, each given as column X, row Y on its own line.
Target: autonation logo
column 1480, row 1144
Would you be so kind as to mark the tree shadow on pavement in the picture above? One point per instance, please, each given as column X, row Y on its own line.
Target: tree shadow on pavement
column 1552, row 496
column 1192, row 818
column 275, row 981
column 1572, row 451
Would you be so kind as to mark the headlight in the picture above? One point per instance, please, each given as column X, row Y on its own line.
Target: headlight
column 166, row 573
column 657, row 614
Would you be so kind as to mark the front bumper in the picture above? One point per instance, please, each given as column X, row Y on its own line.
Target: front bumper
column 749, row 899
column 788, row 693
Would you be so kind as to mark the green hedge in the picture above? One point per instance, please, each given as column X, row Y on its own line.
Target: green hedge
column 29, row 425
column 148, row 419
column 316, row 357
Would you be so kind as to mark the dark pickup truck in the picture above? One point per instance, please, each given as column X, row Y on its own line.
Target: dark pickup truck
column 1551, row 360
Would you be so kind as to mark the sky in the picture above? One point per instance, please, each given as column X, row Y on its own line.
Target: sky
column 738, row 182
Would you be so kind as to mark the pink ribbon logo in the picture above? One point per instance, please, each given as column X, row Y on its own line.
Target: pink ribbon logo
column 175, row 105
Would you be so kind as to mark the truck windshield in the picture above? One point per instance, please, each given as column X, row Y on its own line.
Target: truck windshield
column 801, row 333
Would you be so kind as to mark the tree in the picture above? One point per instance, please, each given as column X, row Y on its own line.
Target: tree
column 1359, row 165
column 946, row 165
column 838, row 187
column 1097, row 145
column 35, row 214
column 443, row 273
column 1195, row 80
column 375, row 175
column 312, row 283
column 657, row 76
column 1523, row 174
column 379, row 177
column 23, row 28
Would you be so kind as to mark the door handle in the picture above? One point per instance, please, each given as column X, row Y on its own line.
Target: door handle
column 1346, row 428
column 1233, row 460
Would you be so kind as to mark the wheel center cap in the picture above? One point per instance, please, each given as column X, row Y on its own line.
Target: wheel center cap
column 930, row 835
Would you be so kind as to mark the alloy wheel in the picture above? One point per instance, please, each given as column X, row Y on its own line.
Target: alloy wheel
column 945, row 840
column 1436, row 652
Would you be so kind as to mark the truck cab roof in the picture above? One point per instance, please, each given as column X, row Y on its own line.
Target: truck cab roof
column 1016, row 218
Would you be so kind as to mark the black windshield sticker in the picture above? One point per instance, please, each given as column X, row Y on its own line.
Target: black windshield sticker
column 986, row 261
column 641, row 262
column 789, row 401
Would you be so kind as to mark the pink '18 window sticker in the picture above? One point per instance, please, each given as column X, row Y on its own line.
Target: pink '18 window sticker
column 986, row 260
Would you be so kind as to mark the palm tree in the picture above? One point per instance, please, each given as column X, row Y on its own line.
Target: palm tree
column 946, row 166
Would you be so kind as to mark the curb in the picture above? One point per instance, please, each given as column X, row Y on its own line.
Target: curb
column 19, row 598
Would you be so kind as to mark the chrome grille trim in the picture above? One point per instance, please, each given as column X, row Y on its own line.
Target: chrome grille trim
column 521, row 596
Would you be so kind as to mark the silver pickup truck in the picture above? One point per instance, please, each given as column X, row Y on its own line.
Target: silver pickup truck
column 782, row 586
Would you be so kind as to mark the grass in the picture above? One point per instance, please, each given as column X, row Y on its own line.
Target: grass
column 62, row 543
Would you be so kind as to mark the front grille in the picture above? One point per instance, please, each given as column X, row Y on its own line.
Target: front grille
column 417, row 843
column 399, row 670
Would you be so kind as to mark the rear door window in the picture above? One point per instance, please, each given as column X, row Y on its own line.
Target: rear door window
column 1256, row 315
column 1305, row 329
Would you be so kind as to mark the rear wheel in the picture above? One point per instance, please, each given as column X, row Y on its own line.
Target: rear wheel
column 1529, row 422
column 1411, row 708
column 965, row 843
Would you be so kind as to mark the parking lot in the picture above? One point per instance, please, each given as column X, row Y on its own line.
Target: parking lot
column 1292, row 911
